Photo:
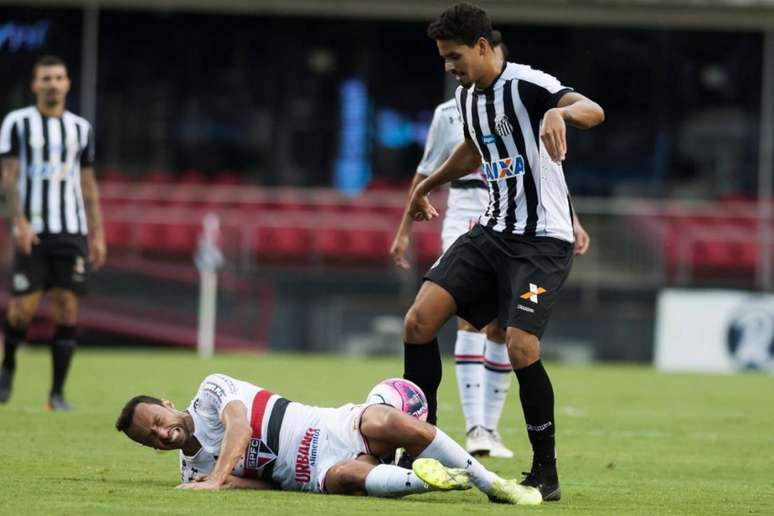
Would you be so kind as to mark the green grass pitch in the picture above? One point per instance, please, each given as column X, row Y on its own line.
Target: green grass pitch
column 630, row 440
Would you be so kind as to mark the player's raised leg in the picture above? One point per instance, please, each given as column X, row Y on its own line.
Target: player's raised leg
column 422, row 360
column 386, row 429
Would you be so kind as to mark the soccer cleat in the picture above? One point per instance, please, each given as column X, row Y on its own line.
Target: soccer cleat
column 57, row 403
column 438, row 476
column 545, row 478
column 510, row 491
column 478, row 442
column 498, row 450
column 6, row 384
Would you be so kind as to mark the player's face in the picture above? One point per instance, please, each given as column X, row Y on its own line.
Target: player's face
column 462, row 61
column 51, row 84
column 159, row 427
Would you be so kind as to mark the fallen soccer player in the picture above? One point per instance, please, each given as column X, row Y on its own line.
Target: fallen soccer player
column 238, row 435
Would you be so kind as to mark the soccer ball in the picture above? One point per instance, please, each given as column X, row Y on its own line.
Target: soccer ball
column 402, row 394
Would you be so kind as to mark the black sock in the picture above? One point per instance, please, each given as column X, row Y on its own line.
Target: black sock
column 537, row 400
column 62, row 352
column 422, row 365
column 13, row 336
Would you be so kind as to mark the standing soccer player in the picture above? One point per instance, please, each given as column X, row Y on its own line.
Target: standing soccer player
column 481, row 358
column 53, row 202
column 482, row 366
column 514, row 121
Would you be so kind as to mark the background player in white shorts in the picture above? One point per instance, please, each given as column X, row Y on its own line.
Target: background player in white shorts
column 481, row 359
column 236, row 434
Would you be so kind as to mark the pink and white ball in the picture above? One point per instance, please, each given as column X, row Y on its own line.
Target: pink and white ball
column 402, row 394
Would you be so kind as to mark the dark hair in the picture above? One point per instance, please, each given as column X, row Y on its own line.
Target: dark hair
column 124, row 421
column 497, row 41
column 48, row 60
column 462, row 23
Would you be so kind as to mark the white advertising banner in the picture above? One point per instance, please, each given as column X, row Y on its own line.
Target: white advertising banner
column 714, row 330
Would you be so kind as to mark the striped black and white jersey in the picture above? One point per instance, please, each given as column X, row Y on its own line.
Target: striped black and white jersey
column 51, row 152
column 528, row 194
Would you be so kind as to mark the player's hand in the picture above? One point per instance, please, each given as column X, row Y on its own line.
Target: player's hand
column 23, row 236
column 398, row 250
column 420, row 208
column 554, row 134
column 206, row 485
column 97, row 252
column 582, row 239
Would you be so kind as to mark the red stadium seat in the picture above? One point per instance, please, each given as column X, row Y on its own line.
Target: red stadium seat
column 283, row 243
column 228, row 177
column 118, row 234
column 191, row 177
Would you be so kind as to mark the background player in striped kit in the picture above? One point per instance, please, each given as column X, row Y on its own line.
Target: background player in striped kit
column 522, row 247
column 481, row 360
column 53, row 202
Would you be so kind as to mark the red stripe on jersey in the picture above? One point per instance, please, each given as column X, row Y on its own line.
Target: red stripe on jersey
column 256, row 422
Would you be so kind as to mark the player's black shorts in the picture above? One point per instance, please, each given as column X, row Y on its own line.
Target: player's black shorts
column 511, row 278
column 58, row 261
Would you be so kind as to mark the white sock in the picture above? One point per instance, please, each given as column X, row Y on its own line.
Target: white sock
column 469, row 359
column 391, row 481
column 497, row 380
column 445, row 450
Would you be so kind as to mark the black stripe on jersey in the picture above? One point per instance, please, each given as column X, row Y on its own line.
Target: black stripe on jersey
column 530, row 190
column 64, row 182
column 535, row 99
column 502, row 150
column 273, row 434
column 464, row 112
column 46, row 149
column 26, row 171
column 494, row 212
column 45, row 182
column 75, row 194
column 569, row 205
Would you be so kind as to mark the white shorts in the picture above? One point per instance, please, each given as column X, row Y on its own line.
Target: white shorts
column 317, row 438
column 464, row 207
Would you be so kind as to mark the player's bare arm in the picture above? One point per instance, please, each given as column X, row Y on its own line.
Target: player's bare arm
column 582, row 238
column 235, row 482
column 235, row 438
column 402, row 237
column 463, row 160
column 574, row 109
column 97, row 246
column 23, row 235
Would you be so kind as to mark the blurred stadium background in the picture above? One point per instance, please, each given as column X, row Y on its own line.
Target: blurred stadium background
column 300, row 124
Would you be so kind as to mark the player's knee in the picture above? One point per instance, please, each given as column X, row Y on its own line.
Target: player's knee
column 523, row 347
column 19, row 315
column 412, row 432
column 495, row 333
column 65, row 308
column 415, row 328
column 345, row 478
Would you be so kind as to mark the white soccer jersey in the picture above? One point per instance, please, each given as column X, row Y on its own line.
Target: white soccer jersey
column 51, row 152
column 293, row 445
column 468, row 196
column 527, row 190
column 444, row 135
